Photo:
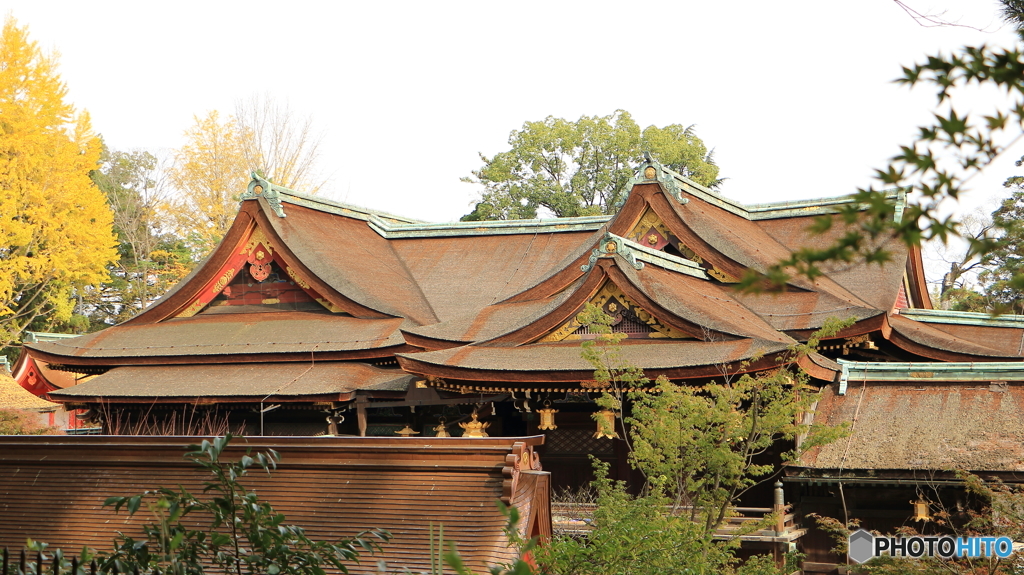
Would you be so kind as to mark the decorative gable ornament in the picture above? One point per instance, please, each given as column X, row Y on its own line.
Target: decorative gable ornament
column 652, row 171
column 261, row 188
column 612, row 245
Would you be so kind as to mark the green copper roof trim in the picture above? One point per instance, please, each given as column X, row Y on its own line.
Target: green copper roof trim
column 278, row 195
column 261, row 188
column 391, row 230
column 665, row 177
column 609, row 246
column 963, row 318
column 636, row 254
column 775, row 210
column 928, row 372
column 40, row 336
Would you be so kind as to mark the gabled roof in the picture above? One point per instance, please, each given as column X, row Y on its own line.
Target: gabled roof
column 237, row 382
column 497, row 291
column 922, row 416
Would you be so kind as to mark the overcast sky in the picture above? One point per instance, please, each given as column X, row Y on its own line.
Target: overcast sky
column 796, row 98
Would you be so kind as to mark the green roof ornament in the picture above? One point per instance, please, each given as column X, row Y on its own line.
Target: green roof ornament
column 651, row 171
column 612, row 245
column 261, row 188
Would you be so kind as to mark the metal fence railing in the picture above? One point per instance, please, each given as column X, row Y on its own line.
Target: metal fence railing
column 47, row 564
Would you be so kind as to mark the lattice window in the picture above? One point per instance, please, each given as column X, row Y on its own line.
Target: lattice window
column 385, row 429
column 577, row 442
column 629, row 325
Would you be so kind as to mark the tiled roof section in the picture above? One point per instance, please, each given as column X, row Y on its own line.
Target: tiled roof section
column 333, row 487
column 701, row 302
column 174, row 383
column 230, row 334
column 13, row 396
column 934, row 339
column 493, row 320
column 773, row 210
column 800, row 310
column 565, row 356
column 459, row 274
column 354, row 260
column 923, row 426
column 877, row 285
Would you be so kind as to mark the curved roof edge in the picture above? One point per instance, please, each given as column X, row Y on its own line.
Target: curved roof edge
column 393, row 226
column 392, row 230
column 962, row 317
column 770, row 210
column 275, row 194
column 923, row 371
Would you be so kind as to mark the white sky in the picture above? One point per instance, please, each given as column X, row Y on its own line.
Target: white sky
column 795, row 97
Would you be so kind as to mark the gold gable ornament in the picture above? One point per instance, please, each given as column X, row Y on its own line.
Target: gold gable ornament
column 475, row 428
column 547, row 417
column 605, row 424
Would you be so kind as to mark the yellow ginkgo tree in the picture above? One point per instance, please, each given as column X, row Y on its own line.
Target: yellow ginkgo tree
column 55, row 226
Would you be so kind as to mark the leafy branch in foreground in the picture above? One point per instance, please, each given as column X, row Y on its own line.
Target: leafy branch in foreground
column 245, row 536
column 700, row 448
column 935, row 168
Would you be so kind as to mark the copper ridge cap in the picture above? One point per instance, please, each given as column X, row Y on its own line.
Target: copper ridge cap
column 963, row 317
column 275, row 195
column 396, row 230
column 673, row 182
column 636, row 254
column 924, row 372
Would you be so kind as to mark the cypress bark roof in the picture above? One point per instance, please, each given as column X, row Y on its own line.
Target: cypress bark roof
column 390, row 286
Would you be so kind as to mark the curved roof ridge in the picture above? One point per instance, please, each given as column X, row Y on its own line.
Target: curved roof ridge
column 963, row 317
column 275, row 194
column 402, row 230
column 773, row 210
column 634, row 252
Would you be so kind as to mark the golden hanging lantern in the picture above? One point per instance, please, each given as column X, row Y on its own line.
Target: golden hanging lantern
column 475, row 428
column 547, row 417
column 605, row 424
column 441, row 430
column 920, row 511
column 406, row 431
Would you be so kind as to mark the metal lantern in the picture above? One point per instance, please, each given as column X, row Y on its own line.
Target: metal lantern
column 547, row 417
column 920, row 511
column 605, row 424
column 475, row 428
column 441, row 430
column 406, row 431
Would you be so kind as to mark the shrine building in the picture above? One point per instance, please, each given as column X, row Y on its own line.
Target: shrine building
column 314, row 317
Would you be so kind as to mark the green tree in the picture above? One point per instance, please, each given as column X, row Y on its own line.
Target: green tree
column 700, row 450
column 151, row 258
column 22, row 422
column 581, row 168
column 55, row 229
column 1004, row 263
